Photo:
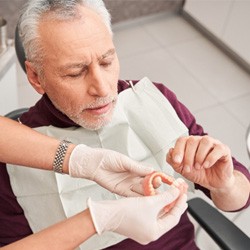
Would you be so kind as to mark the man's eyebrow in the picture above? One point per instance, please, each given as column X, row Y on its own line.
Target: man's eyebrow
column 83, row 65
column 108, row 53
column 73, row 66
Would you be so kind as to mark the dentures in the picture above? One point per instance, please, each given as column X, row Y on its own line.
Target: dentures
column 155, row 180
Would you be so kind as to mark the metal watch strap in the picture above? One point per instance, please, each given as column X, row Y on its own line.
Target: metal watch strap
column 60, row 155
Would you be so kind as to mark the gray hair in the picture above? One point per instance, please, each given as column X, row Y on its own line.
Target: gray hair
column 34, row 10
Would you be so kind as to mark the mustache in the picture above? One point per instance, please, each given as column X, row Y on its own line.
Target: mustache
column 100, row 101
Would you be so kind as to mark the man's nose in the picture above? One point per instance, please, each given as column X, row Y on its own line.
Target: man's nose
column 97, row 84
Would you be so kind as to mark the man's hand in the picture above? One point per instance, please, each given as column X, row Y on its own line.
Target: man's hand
column 140, row 218
column 112, row 170
column 203, row 160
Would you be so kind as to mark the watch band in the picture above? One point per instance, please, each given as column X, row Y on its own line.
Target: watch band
column 60, row 155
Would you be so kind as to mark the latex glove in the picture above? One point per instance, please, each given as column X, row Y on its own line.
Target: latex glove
column 112, row 170
column 139, row 218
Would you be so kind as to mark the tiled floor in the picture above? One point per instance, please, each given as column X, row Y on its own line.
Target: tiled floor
column 167, row 49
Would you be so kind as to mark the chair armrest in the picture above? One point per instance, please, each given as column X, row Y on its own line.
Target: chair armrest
column 222, row 230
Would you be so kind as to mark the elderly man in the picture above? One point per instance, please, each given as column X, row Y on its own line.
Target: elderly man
column 72, row 62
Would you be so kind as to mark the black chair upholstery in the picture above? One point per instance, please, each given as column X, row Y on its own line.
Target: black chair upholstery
column 223, row 231
column 15, row 114
column 19, row 50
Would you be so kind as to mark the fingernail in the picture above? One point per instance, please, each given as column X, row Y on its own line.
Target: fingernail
column 177, row 159
column 187, row 169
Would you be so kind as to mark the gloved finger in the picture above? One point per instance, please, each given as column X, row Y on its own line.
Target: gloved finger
column 165, row 198
column 136, row 168
column 129, row 186
column 130, row 193
column 172, row 218
column 157, row 181
column 138, row 188
column 180, row 206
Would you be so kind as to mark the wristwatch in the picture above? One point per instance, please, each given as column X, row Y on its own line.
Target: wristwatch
column 60, row 155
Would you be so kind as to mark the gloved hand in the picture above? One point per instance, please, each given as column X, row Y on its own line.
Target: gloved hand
column 140, row 218
column 112, row 170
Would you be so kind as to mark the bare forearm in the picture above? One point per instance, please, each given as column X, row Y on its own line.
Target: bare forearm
column 65, row 235
column 24, row 146
column 235, row 197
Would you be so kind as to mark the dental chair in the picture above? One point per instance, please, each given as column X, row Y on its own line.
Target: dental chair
column 15, row 114
column 223, row 231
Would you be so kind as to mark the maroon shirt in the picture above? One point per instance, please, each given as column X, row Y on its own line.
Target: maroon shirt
column 13, row 224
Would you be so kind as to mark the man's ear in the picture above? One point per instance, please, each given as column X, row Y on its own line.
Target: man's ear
column 33, row 78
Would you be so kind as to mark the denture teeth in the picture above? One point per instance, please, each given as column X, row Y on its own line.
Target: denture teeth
column 155, row 179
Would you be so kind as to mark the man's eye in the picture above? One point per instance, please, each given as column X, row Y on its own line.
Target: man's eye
column 75, row 75
column 106, row 64
column 78, row 73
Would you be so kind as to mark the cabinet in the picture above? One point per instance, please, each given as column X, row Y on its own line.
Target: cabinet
column 228, row 21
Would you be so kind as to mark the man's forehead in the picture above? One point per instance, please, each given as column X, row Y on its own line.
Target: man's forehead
column 84, row 63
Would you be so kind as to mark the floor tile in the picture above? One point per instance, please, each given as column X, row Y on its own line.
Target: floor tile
column 242, row 221
column 171, row 30
column 212, row 68
column 220, row 124
column 132, row 40
column 240, row 108
column 160, row 66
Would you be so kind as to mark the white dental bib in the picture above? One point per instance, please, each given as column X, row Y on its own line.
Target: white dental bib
column 144, row 126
